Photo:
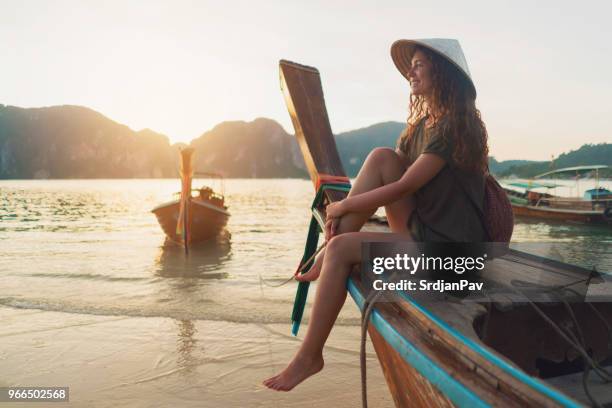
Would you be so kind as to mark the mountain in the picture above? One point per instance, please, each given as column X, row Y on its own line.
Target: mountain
column 354, row 146
column 499, row 167
column 77, row 142
column 588, row 154
column 260, row 148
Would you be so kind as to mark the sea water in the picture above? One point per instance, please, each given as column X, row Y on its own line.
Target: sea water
column 88, row 282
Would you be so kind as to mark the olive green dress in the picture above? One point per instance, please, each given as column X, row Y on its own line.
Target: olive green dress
column 449, row 206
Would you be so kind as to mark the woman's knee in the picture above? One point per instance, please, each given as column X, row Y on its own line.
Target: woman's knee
column 341, row 245
column 334, row 246
column 382, row 155
column 387, row 163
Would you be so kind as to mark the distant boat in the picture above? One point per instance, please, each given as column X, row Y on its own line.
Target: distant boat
column 192, row 218
column 594, row 207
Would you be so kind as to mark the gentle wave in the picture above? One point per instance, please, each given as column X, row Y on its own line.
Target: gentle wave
column 208, row 311
column 87, row 276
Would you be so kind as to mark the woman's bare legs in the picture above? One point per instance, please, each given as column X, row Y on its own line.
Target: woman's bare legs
column 343, row 251
column 382, row 166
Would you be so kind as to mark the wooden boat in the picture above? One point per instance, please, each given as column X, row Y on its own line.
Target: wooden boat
column 192, row 218
column 440, row 352
column 594, row 207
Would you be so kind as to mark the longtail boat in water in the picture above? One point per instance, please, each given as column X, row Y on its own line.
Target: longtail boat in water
column 594, row 207
column 443, row 352
column 192, row 218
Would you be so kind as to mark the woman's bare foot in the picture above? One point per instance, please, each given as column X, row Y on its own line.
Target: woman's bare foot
column 314, row 271
column 299, row 369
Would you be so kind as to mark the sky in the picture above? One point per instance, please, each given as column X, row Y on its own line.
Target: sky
column 542, row 69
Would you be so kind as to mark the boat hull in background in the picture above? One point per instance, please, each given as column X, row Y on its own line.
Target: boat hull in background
column 205, row 220
column 547, row 213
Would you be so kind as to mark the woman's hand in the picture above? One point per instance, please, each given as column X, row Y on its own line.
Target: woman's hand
column 333, row 211
column 336, row 210
column 331, row 226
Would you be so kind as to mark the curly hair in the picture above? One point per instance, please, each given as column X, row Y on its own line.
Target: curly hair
column 463, row 129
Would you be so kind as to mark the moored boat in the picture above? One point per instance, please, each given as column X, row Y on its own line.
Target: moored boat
column 442, row 352
column 192, row 217
column 595, row 207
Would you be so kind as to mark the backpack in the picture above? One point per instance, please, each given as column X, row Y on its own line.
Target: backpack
column 496, row 213
column 498, row 219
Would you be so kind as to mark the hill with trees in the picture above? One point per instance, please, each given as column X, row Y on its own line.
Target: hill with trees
column 78, row 142
column 588, row 154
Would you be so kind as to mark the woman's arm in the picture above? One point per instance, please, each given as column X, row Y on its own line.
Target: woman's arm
column 424, row 168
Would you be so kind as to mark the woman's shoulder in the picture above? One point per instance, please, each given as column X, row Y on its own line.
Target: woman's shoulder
column 436, row 139
column 420, row 131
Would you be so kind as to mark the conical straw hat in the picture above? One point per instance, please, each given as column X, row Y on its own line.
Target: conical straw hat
column 403, row 50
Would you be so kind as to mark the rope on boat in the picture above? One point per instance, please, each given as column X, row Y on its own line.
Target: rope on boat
column 300, row 269
column 589, row 363
column 577, row 342
column 368, row 306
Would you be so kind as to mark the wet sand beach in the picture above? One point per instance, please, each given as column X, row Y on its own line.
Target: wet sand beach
column 159, row 362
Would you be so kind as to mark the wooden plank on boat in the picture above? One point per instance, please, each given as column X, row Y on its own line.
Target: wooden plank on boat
column 408, row 387
column 301, row 86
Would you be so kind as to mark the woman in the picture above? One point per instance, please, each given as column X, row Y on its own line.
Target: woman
column 431, row 186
